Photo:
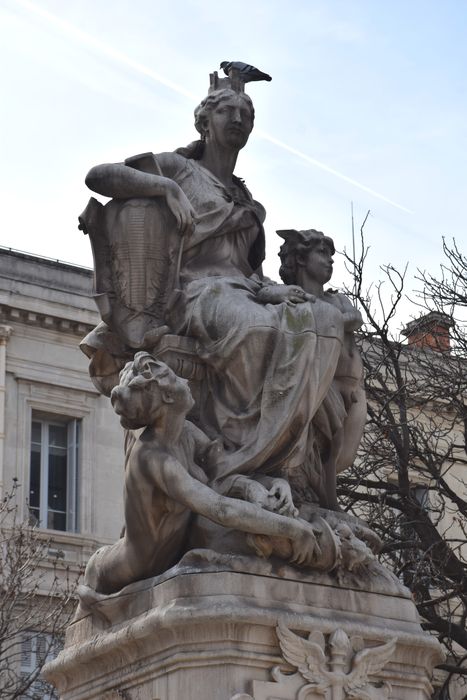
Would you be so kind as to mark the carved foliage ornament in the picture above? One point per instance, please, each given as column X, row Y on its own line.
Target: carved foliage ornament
column 338, row 670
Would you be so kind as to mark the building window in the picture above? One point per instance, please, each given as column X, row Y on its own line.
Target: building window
column 37, row 648
column 53, row 492
column 422, row 496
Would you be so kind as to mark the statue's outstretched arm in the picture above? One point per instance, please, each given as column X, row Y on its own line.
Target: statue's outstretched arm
column 120, row 181
column 234, row 513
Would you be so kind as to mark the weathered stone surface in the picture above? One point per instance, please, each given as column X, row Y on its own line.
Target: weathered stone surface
column 166, row 481
column 216, row 636
column 46, row 372
column 178, row 253
column 276, row 594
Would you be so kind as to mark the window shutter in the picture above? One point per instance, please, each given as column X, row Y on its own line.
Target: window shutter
column 26, row 654
column 36, row 649
column 72, row 476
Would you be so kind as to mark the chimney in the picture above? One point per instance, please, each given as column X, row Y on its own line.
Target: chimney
column 431, row 330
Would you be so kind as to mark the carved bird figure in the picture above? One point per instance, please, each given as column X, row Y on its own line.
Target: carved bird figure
column 309, row 658
column 247, row 73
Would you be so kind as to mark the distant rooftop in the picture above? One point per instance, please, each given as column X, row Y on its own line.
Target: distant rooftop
column 34, row 256
column 19, row 267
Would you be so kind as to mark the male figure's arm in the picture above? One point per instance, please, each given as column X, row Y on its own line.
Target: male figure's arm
column 173, row 479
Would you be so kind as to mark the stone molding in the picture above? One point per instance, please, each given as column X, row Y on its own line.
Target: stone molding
column 220, row 629
column 42, row 320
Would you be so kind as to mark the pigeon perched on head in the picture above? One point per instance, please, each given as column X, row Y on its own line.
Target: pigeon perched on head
column 247, row 73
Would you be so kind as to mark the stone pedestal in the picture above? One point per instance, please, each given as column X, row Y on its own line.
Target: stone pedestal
column 200, row 634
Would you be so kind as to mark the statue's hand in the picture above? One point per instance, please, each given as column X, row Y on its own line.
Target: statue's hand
column 280, row 498
column 258, row 494
column 352, row 320
column 179, row 205
column 277, row 498
column 279, row 293
column 305, row 548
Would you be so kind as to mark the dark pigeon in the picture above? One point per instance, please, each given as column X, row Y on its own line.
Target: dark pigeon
column 247, row 73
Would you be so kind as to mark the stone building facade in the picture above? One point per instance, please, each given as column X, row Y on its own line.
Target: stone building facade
column 51, row 410
column 60, row 440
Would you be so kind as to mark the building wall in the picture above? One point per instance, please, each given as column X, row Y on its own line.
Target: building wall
column 46, row 307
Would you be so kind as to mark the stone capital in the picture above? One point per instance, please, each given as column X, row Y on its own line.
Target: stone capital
column 5, row 332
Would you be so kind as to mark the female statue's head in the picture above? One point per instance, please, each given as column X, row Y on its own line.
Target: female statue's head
column 310, row 250
column 223, row 99
column 224, row 116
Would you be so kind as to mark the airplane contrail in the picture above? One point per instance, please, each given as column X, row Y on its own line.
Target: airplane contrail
column 103, row 48
column 330, row 170
column 124, row 59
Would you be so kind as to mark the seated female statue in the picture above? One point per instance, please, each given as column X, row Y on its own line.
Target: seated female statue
column 270, row 357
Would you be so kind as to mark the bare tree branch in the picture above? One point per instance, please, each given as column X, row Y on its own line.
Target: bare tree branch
column 409, row 481
column 36, row 602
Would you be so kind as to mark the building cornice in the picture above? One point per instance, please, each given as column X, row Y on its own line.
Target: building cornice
column 11, row 314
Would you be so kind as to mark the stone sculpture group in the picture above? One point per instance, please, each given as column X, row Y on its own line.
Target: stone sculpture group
column 236, row 576
column 241, row 397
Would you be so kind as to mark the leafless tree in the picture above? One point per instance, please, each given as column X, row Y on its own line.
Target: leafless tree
column 447, row 292
column 410, row 480
column 36, row 603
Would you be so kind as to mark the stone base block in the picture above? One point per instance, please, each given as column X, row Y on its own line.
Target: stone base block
column 232, row 635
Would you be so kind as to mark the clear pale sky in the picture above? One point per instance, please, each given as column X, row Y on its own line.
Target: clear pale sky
column 374, row 91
